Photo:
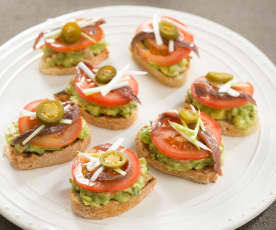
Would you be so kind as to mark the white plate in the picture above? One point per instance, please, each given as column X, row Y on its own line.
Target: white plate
column 39, row 199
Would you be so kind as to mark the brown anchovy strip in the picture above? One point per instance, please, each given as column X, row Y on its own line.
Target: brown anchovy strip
column 108, row 174
column 157, row 123
column 203, row 89
column 150, row 35
column 41, row 34
column 72, row 113
column 210, row 140
column 128, row 93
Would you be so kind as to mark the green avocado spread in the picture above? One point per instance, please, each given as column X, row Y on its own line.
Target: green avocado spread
column 69, row 59
column 98, row 110
column 96, row 199
column 242, row 117
column 172, row 164
column 173, row 70
column 28, row 148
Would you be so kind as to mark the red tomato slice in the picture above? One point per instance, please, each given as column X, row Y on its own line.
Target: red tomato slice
column 107, row 186
column 112, row 99
column 57, row 140
column 216, row 103
column 245, row 87
column 60, row 46
column 172, row 58
column 163, row 139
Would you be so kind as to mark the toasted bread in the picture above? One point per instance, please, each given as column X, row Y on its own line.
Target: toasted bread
column 107, row 122
column 32, row 161
column 95, row 60
column 228, row 129
column 203, row 176
column 169, row 81
column 113, row 208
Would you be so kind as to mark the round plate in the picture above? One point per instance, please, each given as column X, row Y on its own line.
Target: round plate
column 39, row 199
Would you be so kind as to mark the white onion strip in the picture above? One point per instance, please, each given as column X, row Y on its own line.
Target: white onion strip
column 33, row 134
column 90, row 91
column 116, row 144
column 66, row 121
column 155, row 23
column 97, row 173
column 27, row 113
column 85, row 69
column 120, row 171
column 171, row 46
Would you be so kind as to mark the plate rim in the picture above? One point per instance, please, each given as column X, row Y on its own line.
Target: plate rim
column 269, row 66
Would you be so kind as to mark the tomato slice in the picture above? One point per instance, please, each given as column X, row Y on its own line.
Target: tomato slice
column 57, row 140
column 172, row 58
column 245, row 87
column 60, row 46
column 112, row 99
column 107, row 186
column 164, row 139
column 218, row 103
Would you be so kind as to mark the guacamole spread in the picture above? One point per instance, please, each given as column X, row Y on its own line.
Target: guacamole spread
column 96, row 199
column 242, row 117
column 173, row 70
column 28, row 148
column 69, row 59
column 98, row 110
column 170, row 163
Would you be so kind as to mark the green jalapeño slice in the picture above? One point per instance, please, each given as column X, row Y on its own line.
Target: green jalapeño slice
column 49, row 112
column 113, row 159
column 105, row 74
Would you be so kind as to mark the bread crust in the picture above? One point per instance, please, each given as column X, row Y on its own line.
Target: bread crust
column 26, row 162
column 113, row 123
column 228, row 129
column 175, row 82
column 106, row 122
column 113, row 208
column 202, row 176
column 95, row 60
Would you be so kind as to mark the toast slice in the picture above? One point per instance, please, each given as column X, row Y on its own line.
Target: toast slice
column 113, row 208
column 32, row 161
column 95, row 60
column 228, row 129
column 175, row 82
column 202, row 176
column 106, row 122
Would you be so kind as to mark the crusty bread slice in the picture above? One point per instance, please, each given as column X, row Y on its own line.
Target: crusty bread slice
column 203, row 176
column 169, row 81
column 228, row 129
column 95, row 60
column 32, row 161
column 107, row 122
column 113, row 208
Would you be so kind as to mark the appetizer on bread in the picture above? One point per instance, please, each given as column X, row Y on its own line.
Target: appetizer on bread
column 47, row 133
column 162, row 46
column 187, row 144
column 107, row 98
column 63, row 48
column 108, row 180
column 230, row 103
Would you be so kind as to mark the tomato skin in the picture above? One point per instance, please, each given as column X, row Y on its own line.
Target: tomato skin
column 57, row 140
column 216, row 103
column 59, row 46
column 107, row 186
column 112, row 99
column 165, row 60
column 161, row 137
